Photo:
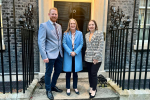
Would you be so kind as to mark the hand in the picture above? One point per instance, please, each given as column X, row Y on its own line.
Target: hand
column 73, row 54
column 46, row 60
column 95, row 61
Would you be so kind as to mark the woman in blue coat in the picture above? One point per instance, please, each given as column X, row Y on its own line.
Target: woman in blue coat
column 72, row 43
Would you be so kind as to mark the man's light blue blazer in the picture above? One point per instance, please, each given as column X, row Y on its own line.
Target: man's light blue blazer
column 49, row 44
column 67, row 45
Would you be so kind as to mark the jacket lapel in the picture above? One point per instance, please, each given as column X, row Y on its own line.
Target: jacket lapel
column 70, row 36
column 93, row 37
column 51, row 27
column 87, row 37
column 76, row 35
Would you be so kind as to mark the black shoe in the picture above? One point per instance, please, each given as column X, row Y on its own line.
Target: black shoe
column 89, row 93
column 68, row 93
column 56, row 89
column 93, row 96
column 49, row 95
column 76, row 92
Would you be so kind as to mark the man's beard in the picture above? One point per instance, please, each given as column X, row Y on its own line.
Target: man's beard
column 53, row 19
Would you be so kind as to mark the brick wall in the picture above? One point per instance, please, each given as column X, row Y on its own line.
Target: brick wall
column 7, row 11
column 127, row 7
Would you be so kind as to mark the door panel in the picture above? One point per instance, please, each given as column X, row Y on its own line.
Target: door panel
column 79, row 11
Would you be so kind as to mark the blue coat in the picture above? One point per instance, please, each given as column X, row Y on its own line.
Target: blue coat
column 67, row 44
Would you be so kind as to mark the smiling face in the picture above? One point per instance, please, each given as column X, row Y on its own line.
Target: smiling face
column 53, row 15
column 72, row 25
column 91, row 26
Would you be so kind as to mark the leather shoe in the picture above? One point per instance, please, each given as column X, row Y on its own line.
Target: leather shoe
column 56, row 89
column 76, row 92
column 94, row 95
column 49, row 95
column 89, row 93
column 68, row 93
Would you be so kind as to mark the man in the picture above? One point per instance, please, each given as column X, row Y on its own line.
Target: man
column 49, row 41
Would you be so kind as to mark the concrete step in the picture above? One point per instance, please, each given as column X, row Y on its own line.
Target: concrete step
column 103, row 93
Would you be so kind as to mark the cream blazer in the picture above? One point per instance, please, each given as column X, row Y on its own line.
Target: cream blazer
column 94, row 48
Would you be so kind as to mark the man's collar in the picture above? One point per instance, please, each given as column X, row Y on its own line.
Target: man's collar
column 51, row 22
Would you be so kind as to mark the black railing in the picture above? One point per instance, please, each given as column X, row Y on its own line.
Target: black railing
column 127, row 55
column 23, row 39
column 120, row 53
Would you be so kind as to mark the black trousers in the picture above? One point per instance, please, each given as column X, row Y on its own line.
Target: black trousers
column 75, row 76
column 92, row 74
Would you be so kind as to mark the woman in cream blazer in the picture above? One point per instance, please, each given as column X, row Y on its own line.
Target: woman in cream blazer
column 93, row 54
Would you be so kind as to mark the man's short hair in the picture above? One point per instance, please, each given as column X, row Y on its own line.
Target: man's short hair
column 54, row 8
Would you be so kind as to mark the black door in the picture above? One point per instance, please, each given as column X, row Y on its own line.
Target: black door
column 79, row 11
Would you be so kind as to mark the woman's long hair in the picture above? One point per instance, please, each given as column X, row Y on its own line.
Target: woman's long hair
column 68, row 28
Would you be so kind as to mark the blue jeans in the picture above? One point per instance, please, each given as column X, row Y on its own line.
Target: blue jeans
column 75, row 76
column 57, row 63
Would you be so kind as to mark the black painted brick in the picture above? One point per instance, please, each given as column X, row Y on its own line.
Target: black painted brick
column 7, row 11
column 127, row 7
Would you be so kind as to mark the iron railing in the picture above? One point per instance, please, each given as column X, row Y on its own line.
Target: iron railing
column 27, row 58
column 118, row 59
column 122, row 49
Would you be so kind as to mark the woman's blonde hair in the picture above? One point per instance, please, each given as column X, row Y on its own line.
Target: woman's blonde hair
column 68, row 28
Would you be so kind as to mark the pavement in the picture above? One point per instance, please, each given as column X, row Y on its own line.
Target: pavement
column 103, row 93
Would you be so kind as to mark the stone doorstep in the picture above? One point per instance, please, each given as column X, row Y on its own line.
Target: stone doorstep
column 21, row 95
column 130, row 94
column 103, row 93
